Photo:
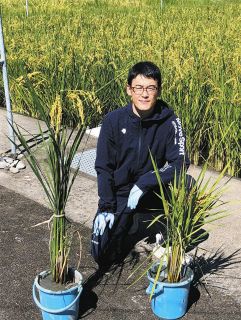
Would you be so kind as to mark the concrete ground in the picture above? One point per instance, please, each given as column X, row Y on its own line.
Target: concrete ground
column 22, row 204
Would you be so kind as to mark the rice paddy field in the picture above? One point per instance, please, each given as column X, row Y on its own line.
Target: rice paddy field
column 80, row 51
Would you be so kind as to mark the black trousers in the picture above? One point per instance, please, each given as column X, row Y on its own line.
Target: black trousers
column 132, row 226
column 128, row 229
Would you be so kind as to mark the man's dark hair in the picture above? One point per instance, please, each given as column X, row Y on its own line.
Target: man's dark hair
column 146, row 69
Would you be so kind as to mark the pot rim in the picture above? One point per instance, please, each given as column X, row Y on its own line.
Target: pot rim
column 172, row 284
column 75, row 286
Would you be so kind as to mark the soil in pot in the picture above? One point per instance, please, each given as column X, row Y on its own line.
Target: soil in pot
column 163, row 274
column 47, row 283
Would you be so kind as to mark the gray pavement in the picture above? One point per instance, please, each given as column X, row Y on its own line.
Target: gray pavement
column 24, row 250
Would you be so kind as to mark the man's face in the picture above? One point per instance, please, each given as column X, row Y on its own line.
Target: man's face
column 143, row 92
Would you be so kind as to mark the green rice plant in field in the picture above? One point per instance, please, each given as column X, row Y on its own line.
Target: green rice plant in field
column 88, row 46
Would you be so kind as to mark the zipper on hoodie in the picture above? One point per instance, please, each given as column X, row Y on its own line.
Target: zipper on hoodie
column 139, row 144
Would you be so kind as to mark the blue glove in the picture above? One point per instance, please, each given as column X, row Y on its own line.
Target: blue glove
column 134, row 197
column 101, row 221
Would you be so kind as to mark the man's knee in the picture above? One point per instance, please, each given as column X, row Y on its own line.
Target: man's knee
column 190, row 182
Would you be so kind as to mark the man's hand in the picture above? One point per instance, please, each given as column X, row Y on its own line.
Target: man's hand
column 101, row 221
column 134, row 197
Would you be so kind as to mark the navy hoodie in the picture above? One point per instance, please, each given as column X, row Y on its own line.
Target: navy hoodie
column 123, row 157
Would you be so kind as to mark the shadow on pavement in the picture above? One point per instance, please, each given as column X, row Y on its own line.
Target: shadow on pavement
column 208, row 265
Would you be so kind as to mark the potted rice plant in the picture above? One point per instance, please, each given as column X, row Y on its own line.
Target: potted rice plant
column 187, row 207
column 60, row 287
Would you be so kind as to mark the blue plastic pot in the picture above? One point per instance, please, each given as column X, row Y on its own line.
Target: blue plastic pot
column 58, row 305
column 169, row 300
